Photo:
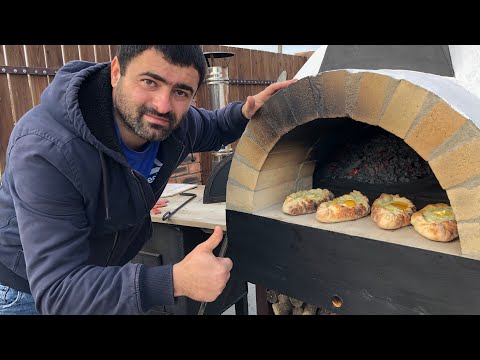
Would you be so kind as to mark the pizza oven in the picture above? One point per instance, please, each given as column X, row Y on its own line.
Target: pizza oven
column 394, row 131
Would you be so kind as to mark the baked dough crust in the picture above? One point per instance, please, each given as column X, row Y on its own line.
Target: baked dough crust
column 350, row 206
column 436, row 222
column 392, row 211
column 305, row 201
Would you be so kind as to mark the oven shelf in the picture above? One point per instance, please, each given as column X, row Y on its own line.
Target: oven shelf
column 366, row 228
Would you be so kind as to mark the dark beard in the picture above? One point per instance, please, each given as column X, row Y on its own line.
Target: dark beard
column 141, row 128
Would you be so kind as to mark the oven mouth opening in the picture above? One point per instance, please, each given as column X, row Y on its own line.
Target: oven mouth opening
column 331, row 142
column 358, row 156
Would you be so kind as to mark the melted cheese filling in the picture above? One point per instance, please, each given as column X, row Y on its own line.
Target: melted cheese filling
column 399, row 205
column 445, row 214
column 396, row 206
column 349, row 201
column 315, row 194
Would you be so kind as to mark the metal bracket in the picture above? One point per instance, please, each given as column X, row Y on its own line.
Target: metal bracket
column 26, row 70
column 250, row 82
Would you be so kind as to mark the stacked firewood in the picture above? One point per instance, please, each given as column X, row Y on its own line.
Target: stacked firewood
column 284, row 305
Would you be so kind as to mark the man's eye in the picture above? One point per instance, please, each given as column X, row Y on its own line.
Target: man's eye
column 149, row 82
column 181, row 95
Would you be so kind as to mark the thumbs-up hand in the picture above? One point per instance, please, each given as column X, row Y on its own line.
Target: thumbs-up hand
column 201, row 275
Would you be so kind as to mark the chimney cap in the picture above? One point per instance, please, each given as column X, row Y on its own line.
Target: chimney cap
column 217, row 55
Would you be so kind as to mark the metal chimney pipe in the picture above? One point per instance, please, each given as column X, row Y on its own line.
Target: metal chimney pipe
column 218, row 85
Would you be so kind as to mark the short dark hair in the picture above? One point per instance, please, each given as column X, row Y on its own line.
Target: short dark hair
column 181, row 55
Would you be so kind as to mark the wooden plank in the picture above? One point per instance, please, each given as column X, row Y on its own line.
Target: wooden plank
column 20, row 89
column 70, row 52
column 53, row 58
column 206, row 159
column 283, row 65
column 257, row 60
column 244, row 70
column 300, row 61
column 102, row 53
column 270, row 67
column 292, row 67
column 201, row 98
column 113, row 51
column 6, row 118
column 87, row 52
column 195, row 213
column 36, row 58
column 296, row 63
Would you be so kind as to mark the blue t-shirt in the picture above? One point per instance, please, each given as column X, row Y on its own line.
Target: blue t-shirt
column 145, row 161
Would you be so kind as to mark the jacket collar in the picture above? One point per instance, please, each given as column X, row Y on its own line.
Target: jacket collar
column 96, row 104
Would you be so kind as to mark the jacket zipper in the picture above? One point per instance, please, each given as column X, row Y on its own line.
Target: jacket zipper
column 141, row 190
column 115, row 240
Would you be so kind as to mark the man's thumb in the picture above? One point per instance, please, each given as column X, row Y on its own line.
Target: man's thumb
column 212, row 242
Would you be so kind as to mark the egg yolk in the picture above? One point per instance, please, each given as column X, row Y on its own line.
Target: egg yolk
column 399, row 205
column 350, row 203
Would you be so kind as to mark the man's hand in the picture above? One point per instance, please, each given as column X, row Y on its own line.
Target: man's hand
column 255, row 102
column 201, row 275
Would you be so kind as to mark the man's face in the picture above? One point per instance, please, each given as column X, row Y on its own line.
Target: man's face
column 153, row 96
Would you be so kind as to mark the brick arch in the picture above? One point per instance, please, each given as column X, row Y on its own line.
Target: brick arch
column 434, row 115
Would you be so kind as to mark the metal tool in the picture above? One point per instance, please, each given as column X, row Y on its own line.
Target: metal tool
column 313, row 64
column 223, row 250
column 169, row 214
column 282, row 77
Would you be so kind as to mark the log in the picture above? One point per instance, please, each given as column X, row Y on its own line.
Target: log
column 283, row 299
column 310, row 310
column 272, row 296
column 324, row 312
column 297, row 311
column 283, row 308
column 295, row 302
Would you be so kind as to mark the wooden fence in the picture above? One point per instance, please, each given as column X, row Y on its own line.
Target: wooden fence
column 25, row 71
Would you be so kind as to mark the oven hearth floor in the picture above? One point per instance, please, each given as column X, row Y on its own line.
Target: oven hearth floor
column 366, row 228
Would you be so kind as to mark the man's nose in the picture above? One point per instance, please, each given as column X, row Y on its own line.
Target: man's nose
column 162, row 101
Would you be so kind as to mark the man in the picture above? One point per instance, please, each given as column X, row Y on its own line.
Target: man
column 85, row 167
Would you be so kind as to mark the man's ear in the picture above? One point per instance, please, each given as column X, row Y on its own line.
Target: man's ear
column 115, row 72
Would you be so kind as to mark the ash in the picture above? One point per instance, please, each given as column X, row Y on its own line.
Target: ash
column 382, row 158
